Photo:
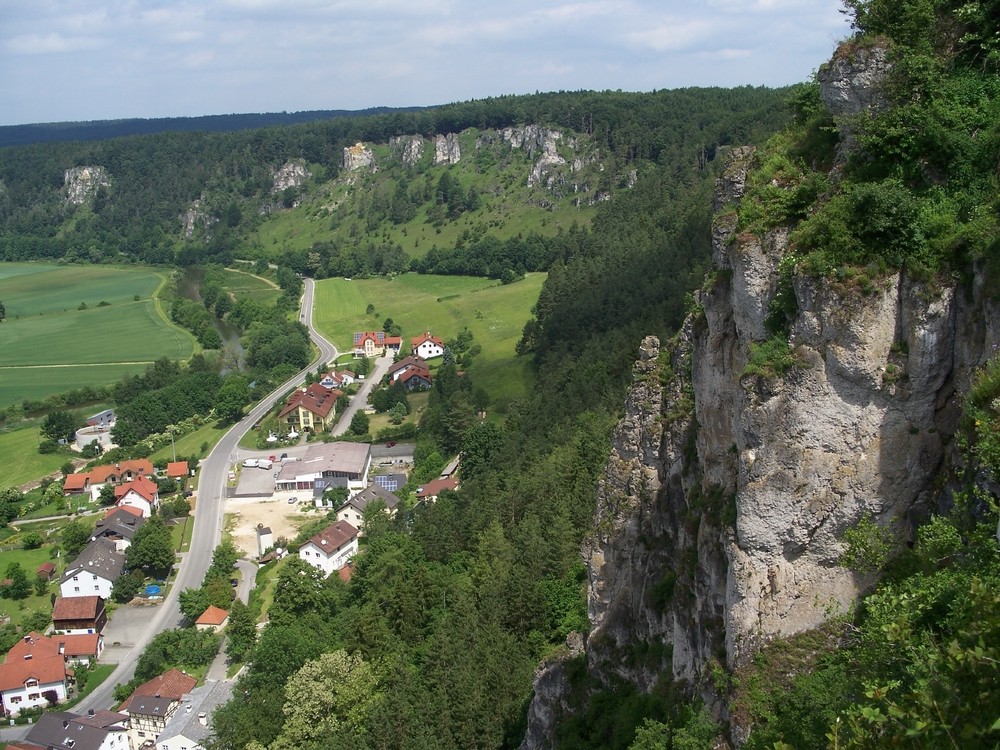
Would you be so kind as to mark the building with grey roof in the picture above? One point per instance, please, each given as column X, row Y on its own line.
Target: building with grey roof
column 353, row 510
column 94, row 571
column 64, row 730
column 191, row 725
column 325, row 461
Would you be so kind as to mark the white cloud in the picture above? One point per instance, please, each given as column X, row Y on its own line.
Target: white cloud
column 51, row 44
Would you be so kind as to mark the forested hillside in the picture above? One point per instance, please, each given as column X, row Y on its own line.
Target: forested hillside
column 228, row 185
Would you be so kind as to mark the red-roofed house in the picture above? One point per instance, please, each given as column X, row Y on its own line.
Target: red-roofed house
column 411, row 372
column 312, row 408
column 33, row 671
column 213, row 618
column 94, row 479
column 79, row 614
column 426, row 346
column 393, row 343
column 431, row 490
column 140, row 493
column 46, row 570
column 369, row 343
column 80, row 648
column 153, row 703
column 177, row 469
column 173, row 684
column 125, row 471
column 76, row 484
column 332, row 548
column 338, row 379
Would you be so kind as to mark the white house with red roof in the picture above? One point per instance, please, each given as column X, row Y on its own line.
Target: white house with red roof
column 97, row 477
column 426, row 346
column 338, row 379
column 332, row 548
column 32, row 672
column 141, row 493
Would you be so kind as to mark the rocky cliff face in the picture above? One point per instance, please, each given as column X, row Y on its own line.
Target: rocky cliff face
column 82, row 183
column 723, row 505
column 292, row 174
column 447, row 149
column 408, row 147
column 358, row 157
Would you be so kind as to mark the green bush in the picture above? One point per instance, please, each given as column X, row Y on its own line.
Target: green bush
column 770, row 359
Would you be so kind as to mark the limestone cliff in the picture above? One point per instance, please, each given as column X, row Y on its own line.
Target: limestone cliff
column 358, row 157
column 82, row 183
column 723, row 505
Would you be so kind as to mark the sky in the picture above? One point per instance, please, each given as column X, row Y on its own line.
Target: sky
column 78, row 60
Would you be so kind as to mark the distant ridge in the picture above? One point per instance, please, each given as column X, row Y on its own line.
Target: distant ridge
column 97, row 130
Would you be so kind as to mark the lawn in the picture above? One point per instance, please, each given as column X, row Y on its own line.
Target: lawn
column 29, row 560
column 70, row 326
column 190, row 444
column 443, row 305
column 245, row 284
column 21, row 460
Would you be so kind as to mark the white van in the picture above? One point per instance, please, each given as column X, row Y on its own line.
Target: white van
column 264, row 463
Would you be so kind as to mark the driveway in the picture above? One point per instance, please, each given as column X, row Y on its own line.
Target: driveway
column 360, row 400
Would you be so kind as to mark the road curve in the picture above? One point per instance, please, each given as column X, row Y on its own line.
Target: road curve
column 208, row 513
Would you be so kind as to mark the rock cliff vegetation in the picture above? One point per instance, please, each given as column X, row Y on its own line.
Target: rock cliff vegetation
column 795, row 526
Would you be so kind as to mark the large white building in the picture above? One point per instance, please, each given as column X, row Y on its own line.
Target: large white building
column 325, row 461
column 94, row 572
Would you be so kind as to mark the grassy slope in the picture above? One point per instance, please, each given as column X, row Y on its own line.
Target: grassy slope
column 329, row 209
column 45, row 328
column 21, row 460
column 443, row 305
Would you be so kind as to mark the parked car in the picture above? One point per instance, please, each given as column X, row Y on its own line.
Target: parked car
column 272, row 458
column 390, row 444
column 283, row 456
column 292, row 500
column 234, row 582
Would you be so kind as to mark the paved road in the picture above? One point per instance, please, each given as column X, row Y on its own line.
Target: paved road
column 360, row 399
column 208, row 517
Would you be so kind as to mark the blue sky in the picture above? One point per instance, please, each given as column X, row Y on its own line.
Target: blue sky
column 108, row 59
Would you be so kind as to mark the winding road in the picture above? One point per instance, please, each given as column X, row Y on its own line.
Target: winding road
column 208, row 516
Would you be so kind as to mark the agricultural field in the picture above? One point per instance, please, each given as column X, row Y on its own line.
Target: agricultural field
column 443, row 305
column 70, row 326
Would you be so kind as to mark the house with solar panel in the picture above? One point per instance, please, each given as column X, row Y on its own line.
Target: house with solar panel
column 375, row 344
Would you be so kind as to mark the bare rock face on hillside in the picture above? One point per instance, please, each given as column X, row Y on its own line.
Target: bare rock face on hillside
column 409, row 148
column 447, row 149
column 82, row 183
column 851, row 84
column 197, row 216
column 723, row 506
column 292, row 174
column 358, row 157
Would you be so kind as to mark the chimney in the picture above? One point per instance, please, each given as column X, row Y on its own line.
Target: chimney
column 187, row 708
column 203, row 719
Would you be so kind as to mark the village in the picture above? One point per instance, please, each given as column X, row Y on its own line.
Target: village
column 271, row 495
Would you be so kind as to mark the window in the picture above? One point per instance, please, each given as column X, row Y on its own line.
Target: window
column 31, row 683
column 32, row 696
column 76, row 578
column 76, row 588
column 16, row 699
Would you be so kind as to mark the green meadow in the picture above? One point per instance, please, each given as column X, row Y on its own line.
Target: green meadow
column 443, row 305
column 245, row 284
column 21, row 460
column 70, row 326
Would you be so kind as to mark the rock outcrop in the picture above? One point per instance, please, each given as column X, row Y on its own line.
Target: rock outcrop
column 722, row 509
column 850, row 84
column 409, row 148
column 447, row 149
column 358, row 157
column 82, row 183
column 292, row 174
